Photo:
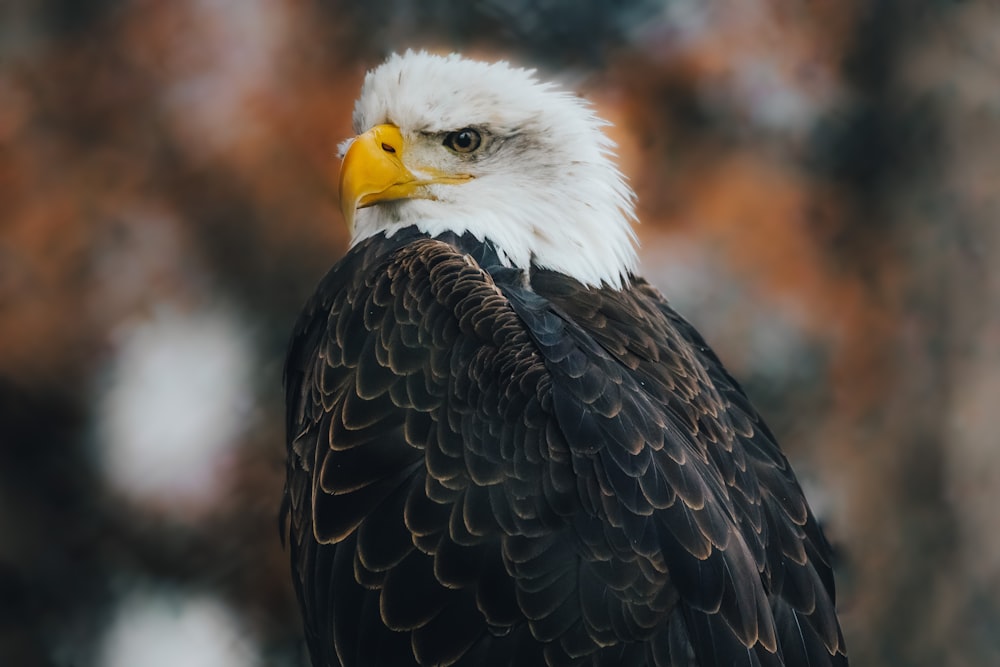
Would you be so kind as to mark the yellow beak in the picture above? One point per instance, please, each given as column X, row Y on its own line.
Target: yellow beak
column 373, row 172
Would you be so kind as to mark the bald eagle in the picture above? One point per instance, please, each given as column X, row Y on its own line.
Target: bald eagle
column 504, row 447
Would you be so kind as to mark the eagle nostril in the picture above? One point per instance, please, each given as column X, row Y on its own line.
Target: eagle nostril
column 387, row 148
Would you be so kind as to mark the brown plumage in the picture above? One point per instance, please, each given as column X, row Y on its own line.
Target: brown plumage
column 489, row 466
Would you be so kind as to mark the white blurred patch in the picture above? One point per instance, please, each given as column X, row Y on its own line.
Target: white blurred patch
column 690, row 19
column 752, row 334
column 774, row 101
column 223, row 64
column 158, row 630
column 178, row 400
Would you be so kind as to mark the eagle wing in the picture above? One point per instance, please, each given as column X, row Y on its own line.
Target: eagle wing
column 416, row 430
column 754, row 509
column 485, row 472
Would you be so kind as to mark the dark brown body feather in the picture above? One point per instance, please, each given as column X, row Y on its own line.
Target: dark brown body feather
column 484, row 471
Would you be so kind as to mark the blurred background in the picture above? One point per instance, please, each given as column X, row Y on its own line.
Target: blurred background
column 819, row 188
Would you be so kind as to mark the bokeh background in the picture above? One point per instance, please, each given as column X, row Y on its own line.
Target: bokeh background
column 818, row 183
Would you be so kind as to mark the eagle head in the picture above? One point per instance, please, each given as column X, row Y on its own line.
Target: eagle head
column 448, row 144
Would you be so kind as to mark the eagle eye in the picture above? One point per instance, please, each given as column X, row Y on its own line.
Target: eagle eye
column 465, row 140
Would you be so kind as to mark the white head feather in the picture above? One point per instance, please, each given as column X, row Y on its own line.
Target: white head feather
column 545, row 189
